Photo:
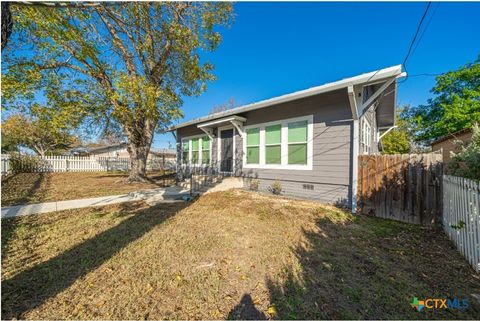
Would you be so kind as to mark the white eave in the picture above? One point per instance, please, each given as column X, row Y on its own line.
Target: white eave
column 363, row 79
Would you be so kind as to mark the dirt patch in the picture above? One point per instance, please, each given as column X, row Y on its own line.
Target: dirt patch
column 235, row 255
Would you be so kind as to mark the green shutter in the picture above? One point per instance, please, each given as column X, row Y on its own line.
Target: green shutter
column 297, row 132
column 273, row 154
column 273, row 134
column 195, row 144
column 253, row 155
column 185, row 157
column 205, row 143
column 253, row 137
column 297, row 154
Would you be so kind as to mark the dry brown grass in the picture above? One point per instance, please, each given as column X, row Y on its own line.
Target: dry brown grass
column 231, row 254
column 27, row 188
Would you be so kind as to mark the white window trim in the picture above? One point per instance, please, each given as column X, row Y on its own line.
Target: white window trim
column 284, row 144
column 189, row 138
column 219, row 147
column 365, row 137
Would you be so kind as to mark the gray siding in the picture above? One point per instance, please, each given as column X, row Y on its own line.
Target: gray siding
column 332, row 129
column 332, row 132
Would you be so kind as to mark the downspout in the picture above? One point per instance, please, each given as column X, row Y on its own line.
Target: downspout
column 355, row 146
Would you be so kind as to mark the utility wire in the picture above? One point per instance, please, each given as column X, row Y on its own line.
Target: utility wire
column 419, row 26
column 435, row 8
column 416, row 34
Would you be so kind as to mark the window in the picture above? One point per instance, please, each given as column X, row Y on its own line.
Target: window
column 195, row 150
column 297, row 143
column 365, row 137
column 284, row 144
column 253, row 146
column 273, row 144
column 205, row 150
column 185, row 151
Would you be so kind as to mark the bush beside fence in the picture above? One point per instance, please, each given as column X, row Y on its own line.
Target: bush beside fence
column 461, row 217
column 76, row 164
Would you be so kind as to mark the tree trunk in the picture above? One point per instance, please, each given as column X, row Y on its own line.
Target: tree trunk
column 138, row 162
column 139, row 142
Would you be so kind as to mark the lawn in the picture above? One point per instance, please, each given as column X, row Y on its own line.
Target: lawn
column 233, row 254
column 27, row 188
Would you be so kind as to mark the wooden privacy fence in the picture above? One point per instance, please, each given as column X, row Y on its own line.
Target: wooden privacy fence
column 401, row 187
column 78, row 164
column 461, row 218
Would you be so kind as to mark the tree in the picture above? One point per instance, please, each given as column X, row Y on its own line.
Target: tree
column 131, row 63
column 230, row 104
column 36, row 134
column 456, row 105
column 397, row 141
column 466, row 163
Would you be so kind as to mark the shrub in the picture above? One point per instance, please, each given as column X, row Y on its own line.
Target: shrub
column 466, row 163
column 276, row 188
column 23, row 163
column 254, row 184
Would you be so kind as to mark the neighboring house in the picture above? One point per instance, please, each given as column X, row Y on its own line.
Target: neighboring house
column 308, row 140
column 120, row 151
column 452, row 142
column 115, row 150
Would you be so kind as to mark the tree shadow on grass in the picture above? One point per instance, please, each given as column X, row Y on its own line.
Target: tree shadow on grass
column 27, row 290
column 246, row 310
column 371, row 268
column 9, row 229
column 34, row 183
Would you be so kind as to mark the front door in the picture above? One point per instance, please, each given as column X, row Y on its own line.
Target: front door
column 226, row 150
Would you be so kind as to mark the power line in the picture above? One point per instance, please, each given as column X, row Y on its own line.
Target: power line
column 419, row 26
column 426, row 27
column 416, row 34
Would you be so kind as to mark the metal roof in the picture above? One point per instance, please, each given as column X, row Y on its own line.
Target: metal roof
column 363, row 79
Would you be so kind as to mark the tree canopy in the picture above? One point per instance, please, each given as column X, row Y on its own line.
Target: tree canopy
column 455, row 106
column 127, row 64
column 397, row 141
column 466, row 162
column 37, row 134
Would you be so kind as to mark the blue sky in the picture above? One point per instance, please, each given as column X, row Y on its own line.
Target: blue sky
column 277, row 48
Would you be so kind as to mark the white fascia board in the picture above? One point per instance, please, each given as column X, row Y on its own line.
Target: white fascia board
column 222, row 120
column 363, row 79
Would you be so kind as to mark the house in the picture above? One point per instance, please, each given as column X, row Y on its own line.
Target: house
column 114, row 150
column 120, row 151
column 307, row 140
column 452, row 142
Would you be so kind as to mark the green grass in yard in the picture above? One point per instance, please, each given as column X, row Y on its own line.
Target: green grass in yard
column 27, row 188
column 229, row 255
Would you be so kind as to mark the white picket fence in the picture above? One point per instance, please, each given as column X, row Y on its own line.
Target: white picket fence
column 461, row 217
column 83, row 164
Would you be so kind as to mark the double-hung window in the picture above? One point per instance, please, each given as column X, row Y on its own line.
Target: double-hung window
column 273, row 144
column 253, row 146
column 297, row 142
column 365, row 137
column 284, row 144
column 195, row 150
column 205, row 150
column 185, row 151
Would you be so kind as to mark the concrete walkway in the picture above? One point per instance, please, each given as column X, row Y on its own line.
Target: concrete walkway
column 152, row 196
